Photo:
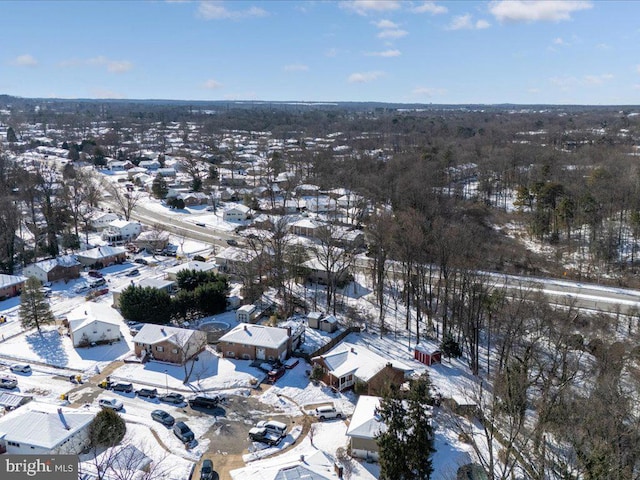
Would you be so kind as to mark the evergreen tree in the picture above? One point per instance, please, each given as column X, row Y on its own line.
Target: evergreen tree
column 107, row 429
column 159, row 187
column 11, row 135
column 34, row 308
column 392, row 442
column 147, row 305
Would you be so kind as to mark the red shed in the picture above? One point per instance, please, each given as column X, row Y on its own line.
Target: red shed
column 426, row 355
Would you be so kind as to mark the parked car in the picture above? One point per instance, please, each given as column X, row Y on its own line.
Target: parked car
column 163, row 417
column 261, row 434
column 133, row 273
column 273, row 426
column 112, row 403
column 141, row 261
column 204, row 402
column 200, row 224
column 97, row 283
column 82, row 288
column 175, row 398
column 232, row 242
column 276, row 373
column 327, row 412
column 183, row 432
column 20, row 368
column 206, row 471
column 147, row 392
column 95, row 274
column 8, row 382
column 122, row 387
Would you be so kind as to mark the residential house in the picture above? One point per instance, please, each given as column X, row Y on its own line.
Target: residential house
column 364, row 427
column 296, row 328
column 321, row 204
column 317, row 273
column 102, row 220
column 65, row 267
column 192, row 199
column 349, row 364
column 169, row 344
column 151, row 165
column 94, row 323
column 305, row 227
column 118, row 165
column 121, row 231
column 11, row 285
column 43, row 429
column 236, row 261
column 313, row 464
column 167, row 172
column 152, row 240
column 172, row 273
column 247, row 313
column 255, row 342
column 237, row 212
column 102, row 256
column 168, row 286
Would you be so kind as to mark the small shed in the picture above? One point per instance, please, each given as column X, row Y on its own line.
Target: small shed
column 313, row 319
column 427, row 355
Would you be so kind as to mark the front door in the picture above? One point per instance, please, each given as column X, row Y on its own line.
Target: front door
column 260, row 353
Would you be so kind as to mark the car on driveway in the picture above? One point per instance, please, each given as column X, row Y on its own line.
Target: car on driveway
column 122, row 387
column 95, row 274
column 20, row 368
column 147, row 392
column 206, row 471
column 8, row 382
column 133, row 273
column 82, row 288
column 175, row 398
column 141, row 261
column 183, row 432
column 204, row 402
column 112, row 403
column 163, row 417
column 276, row 373
column 232, row 242
column 262, row 435
column 327, row 412
column 273, row 426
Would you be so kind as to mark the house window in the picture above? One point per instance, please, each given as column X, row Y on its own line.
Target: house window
column 95, row 331
column 231, row 354
column 13, row 444
column 159, row 349
column 246, row 356
column 108, row 329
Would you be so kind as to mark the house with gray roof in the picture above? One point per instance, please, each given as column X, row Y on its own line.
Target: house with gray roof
column 364, row 427
column 102, row 256
column 11, row 285
column 168, row 344
column 94, row 323
column 256, row 342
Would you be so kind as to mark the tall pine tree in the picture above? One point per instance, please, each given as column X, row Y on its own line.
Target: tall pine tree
column 34, row 307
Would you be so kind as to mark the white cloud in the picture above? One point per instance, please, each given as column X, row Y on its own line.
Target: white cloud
column 385, row 24
column 559, row 41
column 465, row 22
column 385, row 53
column 364, row 77
column 597, row 79
column 332, row 52
column 113, row 66
column 430, row 7
column 216, row 10
column 25, row 60
column 212, row 84
column 104, row 93
column 296, row 67
column 393, row 33
column 428, row 91
column 364, row 7
column 536, row 10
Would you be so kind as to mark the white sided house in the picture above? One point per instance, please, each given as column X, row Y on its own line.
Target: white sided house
column 246, row 313
column 172, row 273
column 94, row 323
column 364, row 426
column 102, row 220
column 42, row 428
column 121, row 231
column 236, row 213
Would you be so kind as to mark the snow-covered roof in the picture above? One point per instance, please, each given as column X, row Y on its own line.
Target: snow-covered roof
column 158, row 283
column 192, row 265
column 90, row 312
column 315, row 466
column 353, row 359
column 365, row 422
column 10, row 280
column 122, row 223
column 151, row 334
column 255, row 335
column 238, row 207
column 101, row 252
column 42, row 424
column 236, row 254
column 66, row 261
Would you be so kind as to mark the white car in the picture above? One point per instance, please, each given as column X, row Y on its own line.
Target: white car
column 327, row 412
column 20, row 368
column 112, row 403
column 278, row 428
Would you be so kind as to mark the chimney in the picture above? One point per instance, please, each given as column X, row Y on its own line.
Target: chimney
column 245, row 328
column 353, row 350
column 163, row 332
column 63, row 420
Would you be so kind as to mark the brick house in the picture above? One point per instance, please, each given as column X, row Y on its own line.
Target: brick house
column 102, row 256
column 65, row 267
column 169, row 344
column 256, row 342
column 349, row 364
column 11, row 285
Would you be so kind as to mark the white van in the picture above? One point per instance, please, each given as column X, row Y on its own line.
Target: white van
column 327, row 412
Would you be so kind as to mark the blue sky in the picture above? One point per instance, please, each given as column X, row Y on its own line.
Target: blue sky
column 554, row 52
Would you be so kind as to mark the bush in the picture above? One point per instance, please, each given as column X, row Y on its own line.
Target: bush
column 107, row 429
column 450, row 348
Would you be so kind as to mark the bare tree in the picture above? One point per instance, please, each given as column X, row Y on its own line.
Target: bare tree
column 124, row 202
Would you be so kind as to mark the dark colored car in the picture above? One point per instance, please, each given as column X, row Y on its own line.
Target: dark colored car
column 95, row 274
column 276, row 373
column 175, row 398
column 147, row 392
column 232, row 242
column 163, row 417
column 206, row 472
column 204, row 402
column 133, row 273
column 262, row 435
column 183, row 432
column 141, row 261
column 122, row 387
